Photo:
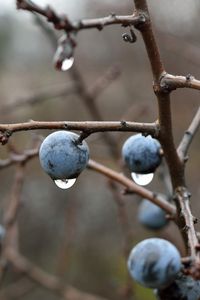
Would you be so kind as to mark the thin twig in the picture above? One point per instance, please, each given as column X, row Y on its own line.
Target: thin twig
column 91, row 126
column 39, row 97
column 63, row 23
column 88, row 96
column 46, row 280
column 18, row 158
column 17, row 290
column 188, row 136
column 172, row 82
column 131, row 186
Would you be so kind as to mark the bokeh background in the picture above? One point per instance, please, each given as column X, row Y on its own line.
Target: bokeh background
column 77, row 233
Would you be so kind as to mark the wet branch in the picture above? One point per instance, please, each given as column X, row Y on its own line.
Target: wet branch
column 63, row 22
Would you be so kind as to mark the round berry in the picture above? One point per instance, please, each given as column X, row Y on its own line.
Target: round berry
column 142, row 154
column 154, row 263
column 182, row 288
column 151, row 216
column 62, row 156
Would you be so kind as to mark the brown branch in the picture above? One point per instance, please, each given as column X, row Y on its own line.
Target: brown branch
column 11, row 212
column 188, row 136
column 11, row 254
column 48, row 94
column 46, row 280
column 127, row 290
column 166, row 134
column 104, row 81
column 60, row 92
column 10, row 218
column 150, row 41
column 88, row 96
column 87, row 126
column 171, row 82
column 18, row 158
column 131, row 186
column 185, row 220
column 17, row 290
column 63, row 23
column 89, row 102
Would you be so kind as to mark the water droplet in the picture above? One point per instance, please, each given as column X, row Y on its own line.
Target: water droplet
column 142, row 179
column 67, row 64
column 65, row 183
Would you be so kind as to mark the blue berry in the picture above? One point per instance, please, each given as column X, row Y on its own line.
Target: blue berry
column 62, row 157
column 182, row 288
column 142, row 154
column 151, row 216
column 154, row 263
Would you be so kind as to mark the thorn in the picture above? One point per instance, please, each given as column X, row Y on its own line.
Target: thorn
column 123, row 123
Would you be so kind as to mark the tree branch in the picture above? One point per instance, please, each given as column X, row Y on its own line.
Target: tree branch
column 176, row 167
column 87, row 126
column 188, row 136
column 18, row 158
column 131, row 186
column 63, row 23
column 47, row 94
column 171, row 82
column 46, row 280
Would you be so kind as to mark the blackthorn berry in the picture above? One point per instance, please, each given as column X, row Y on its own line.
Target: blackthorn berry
column 151, row 216
column 142, row 154
column 62, row 157
column 182, row 288
column 154, row 263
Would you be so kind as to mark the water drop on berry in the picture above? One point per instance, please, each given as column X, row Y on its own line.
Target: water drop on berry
column 65, row 183
column 142, row 179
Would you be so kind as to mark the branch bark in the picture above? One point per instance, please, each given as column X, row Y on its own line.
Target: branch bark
column 63, row 23
column 131, row 186
column 188, row 136
column 172, row 82
column 176, row 166
column 87, row 126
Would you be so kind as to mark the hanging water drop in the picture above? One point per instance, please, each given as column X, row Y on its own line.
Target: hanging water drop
column 67, row 64
column 65, row 183
column 142, row 179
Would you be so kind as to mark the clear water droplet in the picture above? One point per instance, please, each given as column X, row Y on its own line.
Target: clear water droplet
column 67, row 64
column 65, row 183
column 142, row 179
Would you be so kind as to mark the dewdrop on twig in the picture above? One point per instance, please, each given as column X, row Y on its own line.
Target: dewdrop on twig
column 64, row 56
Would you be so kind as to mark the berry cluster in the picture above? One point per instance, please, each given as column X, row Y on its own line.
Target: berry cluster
column 154, row 263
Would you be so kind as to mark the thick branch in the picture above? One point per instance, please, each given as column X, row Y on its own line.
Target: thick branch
column 150, row 41
column 131, row 186
column 166, row 134
column 63, row 23
column 176, row 167
column 188, row 136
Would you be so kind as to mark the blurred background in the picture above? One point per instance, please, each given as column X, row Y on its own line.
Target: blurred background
column 78, row 233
